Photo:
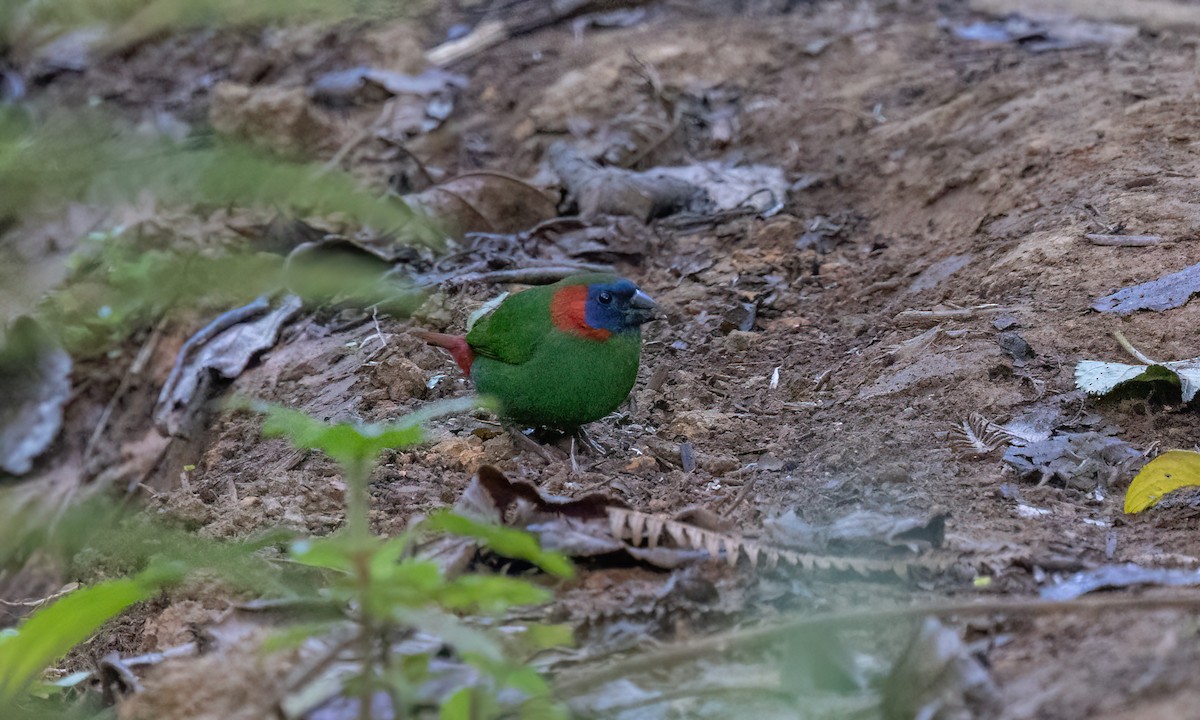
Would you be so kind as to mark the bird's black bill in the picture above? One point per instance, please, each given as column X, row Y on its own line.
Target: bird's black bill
column 641, row 309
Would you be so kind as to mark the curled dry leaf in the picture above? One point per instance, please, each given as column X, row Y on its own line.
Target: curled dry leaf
column 224, row 348
column 484, row 202
column 602, row 191
column 1080, row 460
column 34, row 385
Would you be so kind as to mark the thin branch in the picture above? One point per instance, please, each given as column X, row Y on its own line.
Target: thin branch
column 135, row 369
column 1123, row 240
column 532, row 275
column 726, row 641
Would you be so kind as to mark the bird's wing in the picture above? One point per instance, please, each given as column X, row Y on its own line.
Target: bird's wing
column 512, row 332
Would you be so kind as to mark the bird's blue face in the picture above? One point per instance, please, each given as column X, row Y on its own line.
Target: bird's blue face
column 617, row 306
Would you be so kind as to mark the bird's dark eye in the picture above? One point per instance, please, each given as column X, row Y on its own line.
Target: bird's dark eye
column 605, row 297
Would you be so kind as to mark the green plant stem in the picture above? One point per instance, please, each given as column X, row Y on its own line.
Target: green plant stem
column 358, row 501
column 357, row 472
column 368, row 678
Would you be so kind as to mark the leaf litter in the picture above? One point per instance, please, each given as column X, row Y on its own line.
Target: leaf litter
column 717, row 394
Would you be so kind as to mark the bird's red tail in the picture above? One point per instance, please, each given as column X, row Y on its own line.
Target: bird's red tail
column 456, row 344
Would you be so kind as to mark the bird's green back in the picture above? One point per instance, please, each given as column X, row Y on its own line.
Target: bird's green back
column 512, row 331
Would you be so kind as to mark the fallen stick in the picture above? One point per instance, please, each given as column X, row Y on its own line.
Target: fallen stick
column 734, row 639
column 1124, row 240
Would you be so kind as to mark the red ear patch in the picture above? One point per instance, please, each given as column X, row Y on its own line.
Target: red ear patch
column 568, row 312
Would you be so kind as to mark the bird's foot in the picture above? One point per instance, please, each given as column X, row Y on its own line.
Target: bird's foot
column 581, row 438
column 530, row 444
column 590, row 443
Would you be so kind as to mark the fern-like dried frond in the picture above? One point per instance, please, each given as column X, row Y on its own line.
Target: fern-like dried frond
column 633, row 527
column 979, row 437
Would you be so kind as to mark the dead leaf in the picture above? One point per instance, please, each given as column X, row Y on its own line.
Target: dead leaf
column 35, row 383
column 1081, row 460
column 484, row 202
column 345, row 87
column 937, row 678
column 226, row 352
column 1169, row 291
column 860, row 531
column 598, row 524
column 1119, row 576
column 979, row 437
column 601, row 191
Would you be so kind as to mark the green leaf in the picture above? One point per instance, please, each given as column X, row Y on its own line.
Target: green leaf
column 51, row 632
column 506, row 541
column 527, row 680
column 542, row 708
column 458, row 706
column 413, row 583
column 295, row 635
column 468, row 641
column 543, row 637
column 81, row 156
column 352, row 442
column 1182, row 377
column 329, row 553
column 490, row 593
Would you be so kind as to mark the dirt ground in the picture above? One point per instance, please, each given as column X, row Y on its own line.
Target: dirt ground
column 927, row 171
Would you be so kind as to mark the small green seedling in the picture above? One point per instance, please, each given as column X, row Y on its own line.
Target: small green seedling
column 393, row 592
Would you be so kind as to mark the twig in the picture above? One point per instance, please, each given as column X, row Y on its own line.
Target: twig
column 378, row 331
column 658, row 142
column 760, row 688
column 1123, row 240
column 135, row 369
column 741, row 496
column 113, row 671
column 38, row 602
column 307, row 675
column 185, row 650
column 420, row 165
column 1129, row 348
column 355, row 140
column 1099, row 218
column 726, row 641
column 530, row 443
column 486, row 35
column 925, row 317
column 532, row 275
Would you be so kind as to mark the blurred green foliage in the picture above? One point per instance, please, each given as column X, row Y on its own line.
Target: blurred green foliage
column 81, row 155
column 120, row 281
column 51, row 632
column 384, row 586
column 393, row 589
column 130, row 21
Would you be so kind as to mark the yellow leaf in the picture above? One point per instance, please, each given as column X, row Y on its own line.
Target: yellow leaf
column 1169, row 471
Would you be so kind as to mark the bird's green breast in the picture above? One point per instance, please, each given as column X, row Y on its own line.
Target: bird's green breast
column 568, row 380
